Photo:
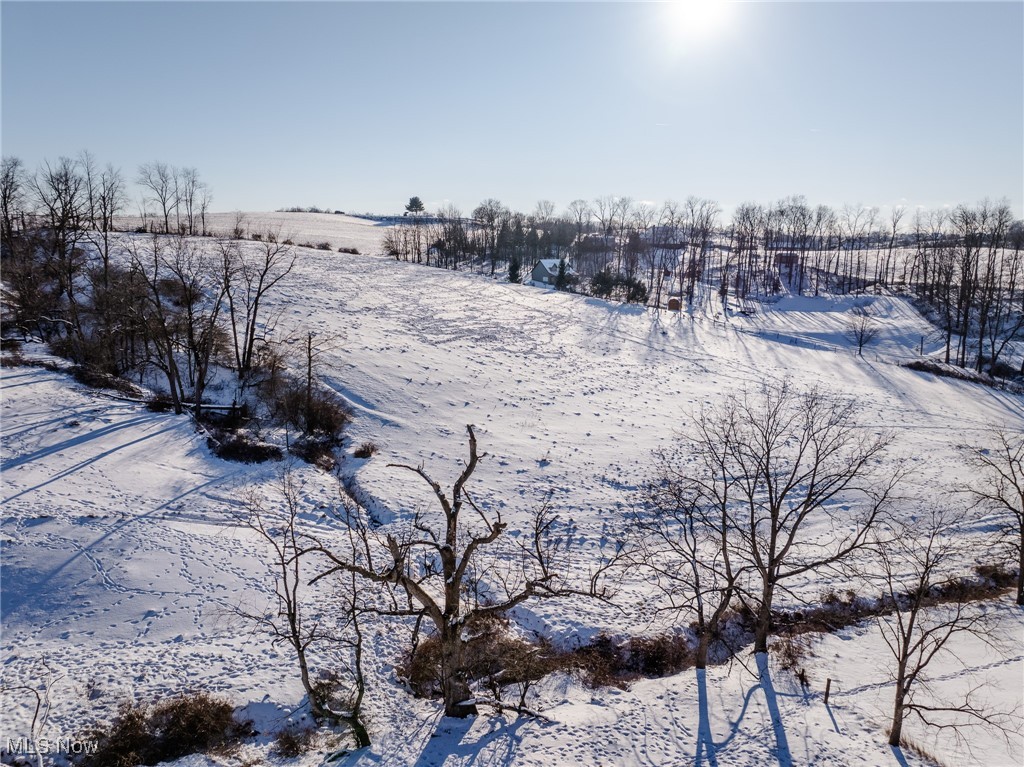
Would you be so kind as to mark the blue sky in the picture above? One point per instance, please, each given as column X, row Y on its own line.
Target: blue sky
column 359, row 106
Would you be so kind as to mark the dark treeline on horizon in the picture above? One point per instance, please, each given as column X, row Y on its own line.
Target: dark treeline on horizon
column 962, row 264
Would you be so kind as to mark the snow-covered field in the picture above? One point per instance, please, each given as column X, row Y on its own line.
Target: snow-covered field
column 339, row 230
column 124, row 562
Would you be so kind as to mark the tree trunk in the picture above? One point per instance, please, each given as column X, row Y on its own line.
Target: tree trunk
column 762, row 626
column 359, row 731
column 896, row 731
column 701, row 653
column 763, row 620
column 1020, row 568
column 458, row 700
column 315, row 706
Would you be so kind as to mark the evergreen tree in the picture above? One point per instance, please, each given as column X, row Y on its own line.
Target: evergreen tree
column 415, row 206
column 515, row 269
column 602, row 284
column 562, row 280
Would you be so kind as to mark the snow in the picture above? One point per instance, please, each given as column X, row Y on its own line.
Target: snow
column 341, row 231
column 125, row 563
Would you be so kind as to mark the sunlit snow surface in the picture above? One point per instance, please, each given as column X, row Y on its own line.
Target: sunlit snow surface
column 124, row 564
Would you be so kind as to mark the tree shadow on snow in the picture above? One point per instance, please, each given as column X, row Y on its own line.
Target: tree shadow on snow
column 31, row 589
column 900, row 758
column 707, row 748
column 475, row 740
column 772, row 700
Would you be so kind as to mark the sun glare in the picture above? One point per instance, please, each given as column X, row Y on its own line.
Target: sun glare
column 698, row 21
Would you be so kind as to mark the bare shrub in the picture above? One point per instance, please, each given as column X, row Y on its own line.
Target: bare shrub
column 242, row 448
column 150, row 733
column 997, row 575
column 97, row 379
column 607, row 662
column 319, row 452
column 12, row 360
column 160, row 403
column 791, row 651
column 312, row 411
column 365, row 450
column 493, row 656
column 294, row 740
column 660, row 655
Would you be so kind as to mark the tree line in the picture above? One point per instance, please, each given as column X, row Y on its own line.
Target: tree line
column 164, row 307
column 963, row 264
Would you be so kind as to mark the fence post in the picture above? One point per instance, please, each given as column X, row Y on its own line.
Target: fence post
column 828, row 689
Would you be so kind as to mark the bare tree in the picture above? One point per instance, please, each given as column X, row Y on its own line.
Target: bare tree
column 915, row 561
column 700, row 219
column 288, row 622
column 999, row 486
column 190, row 191
column 40, row 692
column 157, row 314
column 489, row 215
column 160, row 179
column 544, row 211
column 61, row 193
column 441, row 567
column 198, row 295
column 12, row 200
column 579, row 213
column 30, row 293
column 603, row 209
column 684, row 533
column 783, row 461
column 249, row 274
column 862, row 329
column 205, row 201
column 106, row 196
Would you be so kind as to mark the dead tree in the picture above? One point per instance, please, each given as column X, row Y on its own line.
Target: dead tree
column 444, row 569
column 917, row 563
column 1001, row 489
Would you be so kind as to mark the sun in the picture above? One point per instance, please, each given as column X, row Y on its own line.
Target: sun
column 696, row 21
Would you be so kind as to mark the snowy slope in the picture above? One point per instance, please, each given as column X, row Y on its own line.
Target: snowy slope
column 340, row 231
column 123, row 557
